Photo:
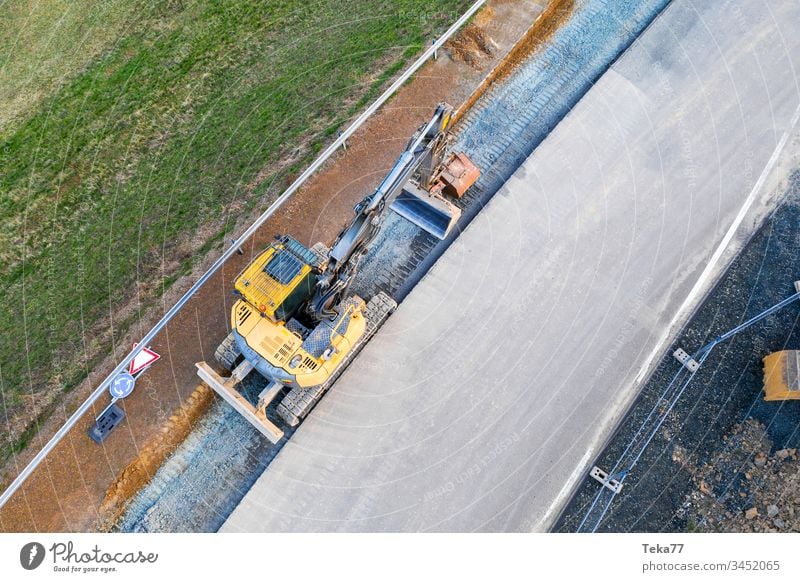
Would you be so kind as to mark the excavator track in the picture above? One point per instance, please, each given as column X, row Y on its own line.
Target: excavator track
column 296, row 405
column 228, row 353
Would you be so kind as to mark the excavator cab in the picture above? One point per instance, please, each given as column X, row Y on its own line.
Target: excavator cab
column 280, row 280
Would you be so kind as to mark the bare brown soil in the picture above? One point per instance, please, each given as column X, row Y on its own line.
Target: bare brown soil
column 81, row 485
column 139, row 472
column 471, row 46
column 745, row 486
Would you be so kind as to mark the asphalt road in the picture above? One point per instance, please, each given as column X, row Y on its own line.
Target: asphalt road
column 502, row 373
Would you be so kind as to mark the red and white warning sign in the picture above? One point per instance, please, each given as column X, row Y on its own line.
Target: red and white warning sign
column 142, row 360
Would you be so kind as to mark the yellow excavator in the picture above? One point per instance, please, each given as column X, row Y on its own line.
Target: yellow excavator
column 294, row 322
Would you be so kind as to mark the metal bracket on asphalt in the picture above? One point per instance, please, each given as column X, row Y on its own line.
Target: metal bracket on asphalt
column 686, row 360
column 609, row 482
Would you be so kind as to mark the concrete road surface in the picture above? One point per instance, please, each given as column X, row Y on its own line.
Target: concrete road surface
column 495, row 383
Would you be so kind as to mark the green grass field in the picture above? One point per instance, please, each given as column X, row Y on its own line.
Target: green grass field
column 128, row 128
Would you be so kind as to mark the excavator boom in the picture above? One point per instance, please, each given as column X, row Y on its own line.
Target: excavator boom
column 420, row 158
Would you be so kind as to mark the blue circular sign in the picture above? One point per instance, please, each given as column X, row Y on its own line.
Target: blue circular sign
column 122, row 385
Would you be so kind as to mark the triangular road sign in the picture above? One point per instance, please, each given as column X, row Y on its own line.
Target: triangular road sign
column 142, row 360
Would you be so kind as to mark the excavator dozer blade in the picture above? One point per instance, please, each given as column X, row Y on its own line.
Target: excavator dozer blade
column 430, row 212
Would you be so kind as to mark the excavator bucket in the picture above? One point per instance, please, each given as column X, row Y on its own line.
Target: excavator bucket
column 430, row 212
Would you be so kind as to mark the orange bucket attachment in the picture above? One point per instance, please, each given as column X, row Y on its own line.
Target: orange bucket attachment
column 458, row 174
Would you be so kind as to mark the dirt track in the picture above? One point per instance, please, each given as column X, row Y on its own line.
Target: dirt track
column 67, row 491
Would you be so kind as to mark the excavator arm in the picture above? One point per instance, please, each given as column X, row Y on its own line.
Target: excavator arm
column 421, row 156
